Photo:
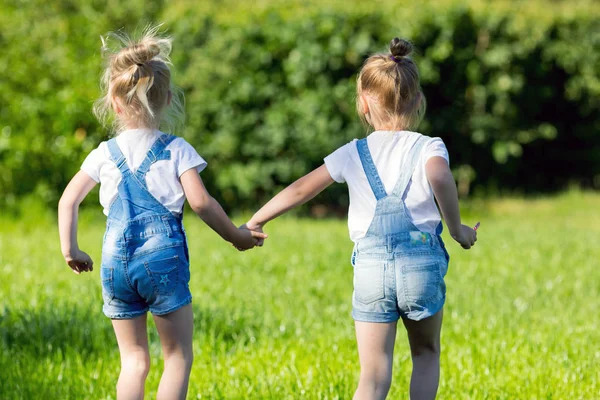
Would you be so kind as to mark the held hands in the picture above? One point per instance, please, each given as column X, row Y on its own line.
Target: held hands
column 249, row 238
column 465, row 236
column 79, row 262
column 254, row 227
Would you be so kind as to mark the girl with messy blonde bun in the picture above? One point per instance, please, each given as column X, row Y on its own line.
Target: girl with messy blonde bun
column 145, row 176
column 399, row 258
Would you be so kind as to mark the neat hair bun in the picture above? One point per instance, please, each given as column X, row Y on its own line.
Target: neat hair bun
column 400, row 47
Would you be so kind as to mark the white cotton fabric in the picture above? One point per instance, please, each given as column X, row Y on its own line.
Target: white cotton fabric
column 162, row 178
column 388, row 149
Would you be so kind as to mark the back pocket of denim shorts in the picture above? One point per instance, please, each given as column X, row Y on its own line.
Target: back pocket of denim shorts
column 422, row 282
column 164, row 274
column 369, row 280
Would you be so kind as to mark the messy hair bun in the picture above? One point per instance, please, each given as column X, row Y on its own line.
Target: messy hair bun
column 390, row 81
column 138, row 80
column 400, row 47
column 140, row 53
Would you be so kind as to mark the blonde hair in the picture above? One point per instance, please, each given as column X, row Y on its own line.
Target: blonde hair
column 137, row 81
column 391, row 82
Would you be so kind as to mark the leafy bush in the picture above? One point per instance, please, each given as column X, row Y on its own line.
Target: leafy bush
column 270, row 89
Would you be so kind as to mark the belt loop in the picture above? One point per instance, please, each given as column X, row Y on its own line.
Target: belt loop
column 165, row 220
column 389, row 246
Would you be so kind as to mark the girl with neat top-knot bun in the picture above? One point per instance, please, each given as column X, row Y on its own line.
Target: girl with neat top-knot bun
column 399, row 257
column 146, row 176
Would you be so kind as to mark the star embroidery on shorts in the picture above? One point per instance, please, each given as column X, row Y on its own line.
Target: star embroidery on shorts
column 165, row 280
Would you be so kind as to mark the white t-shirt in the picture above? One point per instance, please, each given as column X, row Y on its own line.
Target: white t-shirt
column 162, row 178
column 387, row 150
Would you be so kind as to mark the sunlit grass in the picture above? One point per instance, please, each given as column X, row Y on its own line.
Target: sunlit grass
column 520, row 322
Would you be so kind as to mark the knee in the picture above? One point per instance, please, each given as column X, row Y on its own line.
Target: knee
column 426, row 351
column 137, row 363
column 184, row 359
column 378, row 381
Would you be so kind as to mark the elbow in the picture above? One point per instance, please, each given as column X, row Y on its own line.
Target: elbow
column 66, row 203
column 200, row 204
column 441, row 180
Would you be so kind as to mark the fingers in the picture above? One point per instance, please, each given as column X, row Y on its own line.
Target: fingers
column 471, row 241
column 259, row 235
column 79, row 266
column 86, row 266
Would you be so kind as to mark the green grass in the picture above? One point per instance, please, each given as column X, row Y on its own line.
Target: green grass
column 521, row 320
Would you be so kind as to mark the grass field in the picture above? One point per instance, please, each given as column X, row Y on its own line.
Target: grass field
column 521, row 320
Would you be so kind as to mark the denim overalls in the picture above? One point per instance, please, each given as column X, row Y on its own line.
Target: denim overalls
column 145, row 262
column 398, row 270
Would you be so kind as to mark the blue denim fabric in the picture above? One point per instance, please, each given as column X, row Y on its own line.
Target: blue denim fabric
column 398, row 270
column 145, row 263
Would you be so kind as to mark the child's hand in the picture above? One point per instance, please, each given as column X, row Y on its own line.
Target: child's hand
column 466, row 236
column 247, row 238
column 79, row 262
column 258, row 229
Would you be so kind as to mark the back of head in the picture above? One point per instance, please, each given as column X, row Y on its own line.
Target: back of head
column 136, row 83
column 390, row 84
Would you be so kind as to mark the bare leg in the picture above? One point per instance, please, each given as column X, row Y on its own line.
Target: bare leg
column 176, row 330
column 424, row 339
column 135, row 359
column 376, row 352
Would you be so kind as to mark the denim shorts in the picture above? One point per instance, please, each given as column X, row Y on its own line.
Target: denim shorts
column 145, row 266
column 399, row 276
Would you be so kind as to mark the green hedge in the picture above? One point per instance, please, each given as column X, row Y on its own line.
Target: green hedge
column 270, row 90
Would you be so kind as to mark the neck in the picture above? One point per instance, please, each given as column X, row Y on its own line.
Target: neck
column 138, row 128
column 381, row 124
column 386, row 127
column 128, row 125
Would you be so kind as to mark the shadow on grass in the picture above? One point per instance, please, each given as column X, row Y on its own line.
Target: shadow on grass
column 45, row 331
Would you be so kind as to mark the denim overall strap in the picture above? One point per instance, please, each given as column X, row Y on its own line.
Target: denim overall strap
column 157, row 152
column 408, row 166
column 117, row 156
column 370, row 170
column 133, row 199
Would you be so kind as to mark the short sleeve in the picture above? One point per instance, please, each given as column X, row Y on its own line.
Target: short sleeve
column 336, row 162
column 436, row 148
column 187, row 157
column 92, row 163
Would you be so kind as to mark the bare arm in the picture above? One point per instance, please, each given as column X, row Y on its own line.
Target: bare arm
column 211, row 212
column 294, row 195
column 442, row 183
column 68, row 212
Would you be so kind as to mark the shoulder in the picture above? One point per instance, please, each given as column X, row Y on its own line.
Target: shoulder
column 185, row 155
column 181, row 148
column 434, row 147
column 95, row 160
column 100, row 153
column 343, row 151
column 179, row 144
column 336, row 162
